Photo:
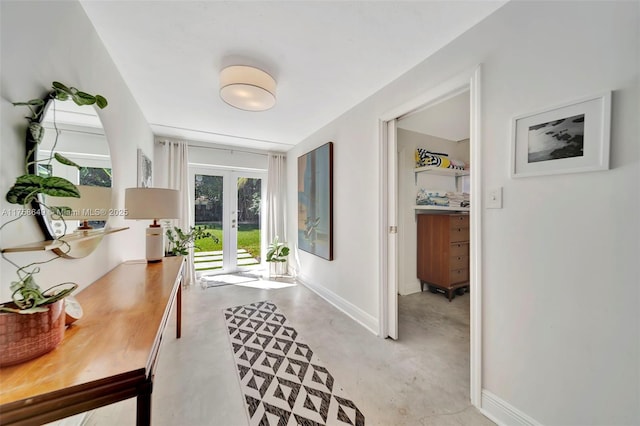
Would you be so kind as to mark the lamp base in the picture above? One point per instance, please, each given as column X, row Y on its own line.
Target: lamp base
column 155, row 244
column 85, row 226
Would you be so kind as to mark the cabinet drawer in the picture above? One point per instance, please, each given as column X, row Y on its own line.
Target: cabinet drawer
column 457, row 262
column 459, row 221
column 459, row 249
column 458, row 275
column 458, row 234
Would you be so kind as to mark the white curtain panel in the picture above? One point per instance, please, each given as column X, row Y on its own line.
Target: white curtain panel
column 176, row 157
column 276, row 198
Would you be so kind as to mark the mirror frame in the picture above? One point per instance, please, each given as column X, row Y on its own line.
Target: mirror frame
column 32, row 149
column 73, row 251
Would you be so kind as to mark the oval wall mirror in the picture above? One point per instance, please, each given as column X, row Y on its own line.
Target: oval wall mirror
column 75, row 132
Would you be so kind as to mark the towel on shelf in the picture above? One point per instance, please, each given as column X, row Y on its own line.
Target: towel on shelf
column 432, row 198
column 429, row 197
column 427, row 158
column 458, row 199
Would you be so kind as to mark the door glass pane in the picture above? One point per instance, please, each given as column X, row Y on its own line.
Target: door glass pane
column 248, row 221
column 208, row 214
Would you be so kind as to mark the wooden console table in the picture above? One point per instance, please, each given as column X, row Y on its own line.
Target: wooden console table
column 106, row 356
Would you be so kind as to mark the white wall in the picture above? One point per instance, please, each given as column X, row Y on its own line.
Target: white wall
column 54, row 41
column 408, row 186
column 561, row 324
column 212, row 155
column 228, row 157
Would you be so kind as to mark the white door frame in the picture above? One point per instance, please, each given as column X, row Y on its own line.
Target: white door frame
column 229, row 210
column 469, row 80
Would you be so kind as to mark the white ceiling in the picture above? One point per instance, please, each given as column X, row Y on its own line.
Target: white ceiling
column 447, row 120
column 325, row 56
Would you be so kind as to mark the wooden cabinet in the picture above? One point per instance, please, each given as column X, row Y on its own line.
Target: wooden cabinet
column 443, row 252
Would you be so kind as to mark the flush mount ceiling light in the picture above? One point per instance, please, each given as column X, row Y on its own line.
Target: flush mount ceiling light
column 247, row 88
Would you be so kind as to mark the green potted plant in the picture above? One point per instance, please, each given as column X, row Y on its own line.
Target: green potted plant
column 24, row 337
column 277, row 253
column 180, row 242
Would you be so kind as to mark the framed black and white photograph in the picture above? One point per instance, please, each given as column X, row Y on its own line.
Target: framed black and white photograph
column 144, row 170
column 569, row 138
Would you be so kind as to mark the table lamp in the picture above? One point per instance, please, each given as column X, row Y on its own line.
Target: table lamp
column 156, row 204
column 93, row 205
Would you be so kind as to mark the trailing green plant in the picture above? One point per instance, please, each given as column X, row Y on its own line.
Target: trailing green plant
column 29, row 299
column 277, row 251
column 180, row 242
column 27, row 186
column 26, row 294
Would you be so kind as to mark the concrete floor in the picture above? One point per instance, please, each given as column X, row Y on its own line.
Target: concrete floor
column 421, row 379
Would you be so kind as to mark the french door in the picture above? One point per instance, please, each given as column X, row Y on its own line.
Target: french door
column 228, row 205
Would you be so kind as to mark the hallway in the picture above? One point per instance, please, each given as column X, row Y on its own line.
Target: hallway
column 421, row 379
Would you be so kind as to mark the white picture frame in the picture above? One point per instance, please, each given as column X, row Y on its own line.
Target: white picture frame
column 548, row 142
column 145, row 171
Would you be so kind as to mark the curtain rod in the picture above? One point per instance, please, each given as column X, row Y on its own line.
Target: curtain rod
column 231, row 150
column 221, row 134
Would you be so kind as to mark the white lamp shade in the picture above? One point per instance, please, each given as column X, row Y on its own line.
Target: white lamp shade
column 247, row 88
column 152, row 203
column 94, row 203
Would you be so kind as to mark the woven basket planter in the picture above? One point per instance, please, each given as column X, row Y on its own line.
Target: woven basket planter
column 27, row 336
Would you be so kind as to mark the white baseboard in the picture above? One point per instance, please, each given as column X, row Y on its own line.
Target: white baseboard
column 405, row 289
column 502, row 413
column 367, row 321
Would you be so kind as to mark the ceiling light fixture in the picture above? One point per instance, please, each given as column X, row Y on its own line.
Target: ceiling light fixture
column 247, row 88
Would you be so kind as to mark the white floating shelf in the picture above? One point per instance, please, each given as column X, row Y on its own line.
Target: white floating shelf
column 442, row 208
column 441, row 171
column 57, row 244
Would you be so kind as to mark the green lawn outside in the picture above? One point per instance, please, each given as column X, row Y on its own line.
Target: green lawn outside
column 248, row 238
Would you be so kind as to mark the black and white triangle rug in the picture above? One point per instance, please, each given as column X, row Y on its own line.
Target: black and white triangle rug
column 283, row 382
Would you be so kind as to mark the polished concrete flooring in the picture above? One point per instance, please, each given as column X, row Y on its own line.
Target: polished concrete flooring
column 420, row 379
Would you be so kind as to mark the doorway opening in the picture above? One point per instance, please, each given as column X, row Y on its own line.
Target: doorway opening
column 228, row 206
column 390, row 260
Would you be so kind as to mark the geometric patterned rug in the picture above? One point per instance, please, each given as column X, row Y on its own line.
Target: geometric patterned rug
column 283, row 382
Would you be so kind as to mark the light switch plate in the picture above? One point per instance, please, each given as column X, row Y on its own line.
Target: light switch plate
column 494, row 198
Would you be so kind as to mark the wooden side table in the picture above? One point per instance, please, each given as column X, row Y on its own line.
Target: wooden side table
column 106, row 356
